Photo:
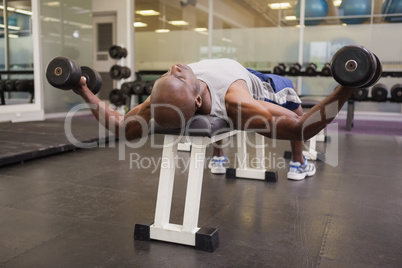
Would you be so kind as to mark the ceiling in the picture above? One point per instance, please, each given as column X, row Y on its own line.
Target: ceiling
column 227, row 13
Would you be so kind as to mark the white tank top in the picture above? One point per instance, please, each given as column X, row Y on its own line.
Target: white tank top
column 219, row 74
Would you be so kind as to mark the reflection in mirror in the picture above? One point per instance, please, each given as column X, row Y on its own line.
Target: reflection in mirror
column 16, row 53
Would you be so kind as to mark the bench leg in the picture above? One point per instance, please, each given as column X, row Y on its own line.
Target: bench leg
column 244, row 170
column 189, row 233
column 350, row 115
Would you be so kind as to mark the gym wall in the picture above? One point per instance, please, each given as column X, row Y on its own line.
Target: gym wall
column 66, row 31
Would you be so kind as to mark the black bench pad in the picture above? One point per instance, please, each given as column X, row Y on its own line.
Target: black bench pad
column 199, row 125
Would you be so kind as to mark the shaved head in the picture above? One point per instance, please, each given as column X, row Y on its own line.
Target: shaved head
column 174, row 97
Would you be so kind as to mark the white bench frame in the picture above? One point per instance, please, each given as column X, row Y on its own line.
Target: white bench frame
column 243, row 169
column 185, row 233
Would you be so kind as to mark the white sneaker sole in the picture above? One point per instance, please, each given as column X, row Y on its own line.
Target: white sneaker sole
column 221, row 170
column 301, row 176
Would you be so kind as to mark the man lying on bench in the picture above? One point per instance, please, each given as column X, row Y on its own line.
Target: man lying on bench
column 225, row 89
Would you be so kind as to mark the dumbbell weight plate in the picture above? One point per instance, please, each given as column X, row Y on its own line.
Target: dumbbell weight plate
column 2, row 85
column 379, row 92
column 311, row 69
column 93, row 79
column 10, row 85
column 123, row 52
column 114, row 52
column 361, row 94
column 149, row 86
column 125, row 72
column 63, row 73
column 126, row 88
column 377, row 74
column 353, row 66
column 115, row 72
column 280, row 69
column 22, row 85
column 295, row 69
column 116, row 97
column 138, row 87
column 396, row 92
column 326, row 70
column 117, row 52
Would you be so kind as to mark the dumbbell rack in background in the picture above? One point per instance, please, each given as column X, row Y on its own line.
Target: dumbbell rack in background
column 118, row 72
column 379, row 93
column 16, row 85
column 142, row 86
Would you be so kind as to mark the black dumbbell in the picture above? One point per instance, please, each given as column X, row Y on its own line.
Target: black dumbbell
column 295, row 69
column 396, row 93
column 379, row 92
column 149, row 86
column 311, row 69
column 138, row 87
column 24, row 86
column 326, row 70
column 117, row 98
column 119, row 72
column 117, row 52
column 361, row 94
column 10, row 85
column 2, row 85
column 133, row 88
column 280, row 69
column 126, row 88
column 65, row 74
column 355, row 66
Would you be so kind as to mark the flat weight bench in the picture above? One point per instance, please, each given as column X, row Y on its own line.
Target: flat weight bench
column 200, row 131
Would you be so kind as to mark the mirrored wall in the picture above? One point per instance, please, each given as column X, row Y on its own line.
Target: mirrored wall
column 67, row 31
column 16, row 53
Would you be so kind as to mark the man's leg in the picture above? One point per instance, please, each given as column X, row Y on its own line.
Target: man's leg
column 218, row 159
column 299, row 167
column 217, row 148
column 297, row 146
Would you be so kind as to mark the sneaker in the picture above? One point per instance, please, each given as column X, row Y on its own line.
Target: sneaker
column 217, row 164
column 297, row 171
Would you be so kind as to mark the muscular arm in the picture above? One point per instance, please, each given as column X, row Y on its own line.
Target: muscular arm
column 134, row 124
column 274, row 121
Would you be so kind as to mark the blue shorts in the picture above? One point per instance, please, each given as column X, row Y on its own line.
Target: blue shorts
column 278, row 83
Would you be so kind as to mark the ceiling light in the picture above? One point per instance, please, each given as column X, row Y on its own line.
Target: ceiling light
column 52, row 4
column 162, row 30
column 16, row 28
column 337, row 3
column 290, row 18
column 140, row 24
column 148, row 12
column 279, row 5
column 178, row 22
column 227, row 40
column 25, row 12
column 200, row 29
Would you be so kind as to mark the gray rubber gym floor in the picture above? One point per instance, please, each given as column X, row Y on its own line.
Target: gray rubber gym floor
column 78, row 209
